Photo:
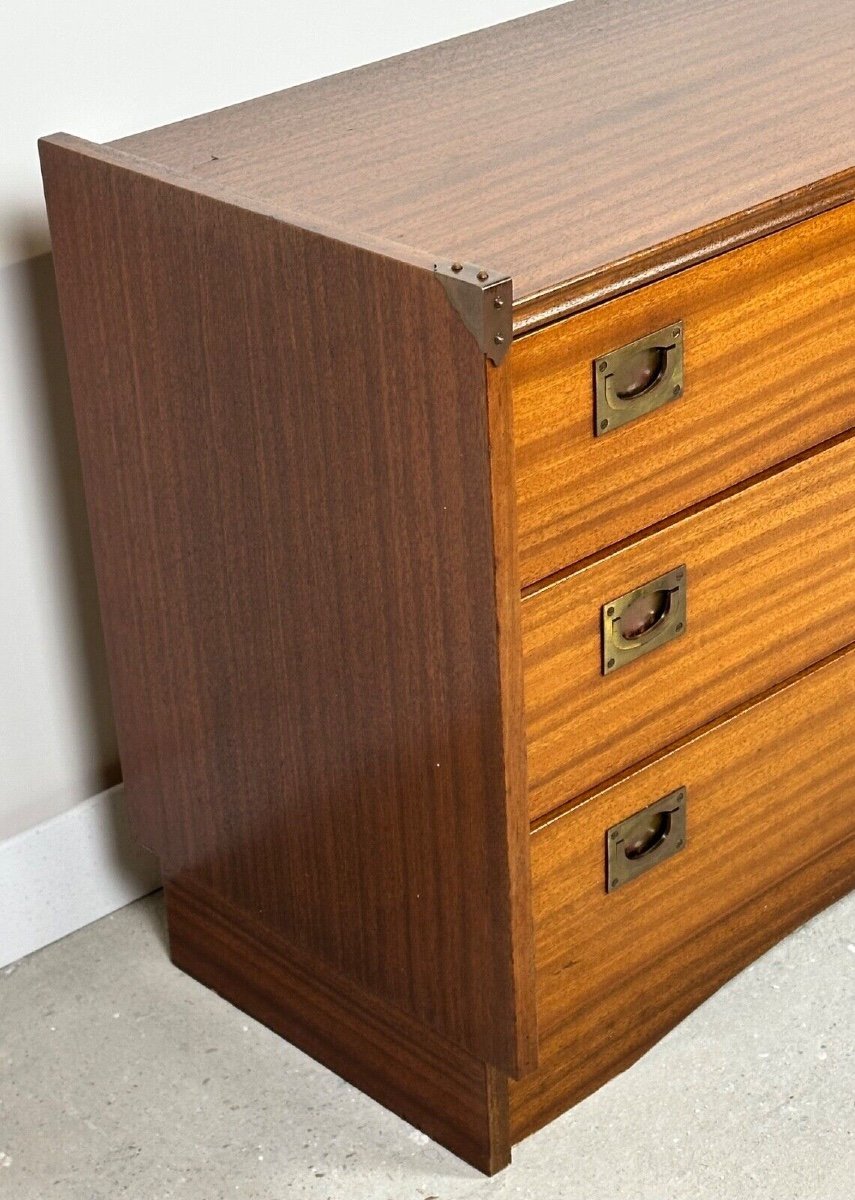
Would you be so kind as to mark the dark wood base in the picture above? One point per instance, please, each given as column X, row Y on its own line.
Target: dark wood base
column 459, row 1101
column 462, row 1103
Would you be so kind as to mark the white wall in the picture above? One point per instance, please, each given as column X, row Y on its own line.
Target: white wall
column 102, row 69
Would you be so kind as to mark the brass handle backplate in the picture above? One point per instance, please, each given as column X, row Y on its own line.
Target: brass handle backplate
column 638, row 378
column 643, row 619
column 645, row 839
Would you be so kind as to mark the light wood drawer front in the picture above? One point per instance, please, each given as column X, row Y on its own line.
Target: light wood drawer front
column 769, row 344
column 769, row 791
column 769, row 592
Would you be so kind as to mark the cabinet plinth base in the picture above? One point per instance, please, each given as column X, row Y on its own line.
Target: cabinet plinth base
column 464, row 1104
column 459, row 1101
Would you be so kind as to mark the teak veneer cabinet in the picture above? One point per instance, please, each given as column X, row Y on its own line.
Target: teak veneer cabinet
column 468, row 443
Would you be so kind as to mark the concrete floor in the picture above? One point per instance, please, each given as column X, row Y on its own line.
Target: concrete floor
column 121, row 1077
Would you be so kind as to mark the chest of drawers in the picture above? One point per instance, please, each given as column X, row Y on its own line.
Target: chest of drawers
column 469, row 446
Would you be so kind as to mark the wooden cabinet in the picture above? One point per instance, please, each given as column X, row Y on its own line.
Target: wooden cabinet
column 364, row 534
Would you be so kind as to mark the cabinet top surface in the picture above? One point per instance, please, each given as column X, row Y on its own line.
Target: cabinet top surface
column 551, row 146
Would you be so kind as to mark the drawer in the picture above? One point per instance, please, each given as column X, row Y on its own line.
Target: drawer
column 769, row 370
column 769, row 792
column 769, row 591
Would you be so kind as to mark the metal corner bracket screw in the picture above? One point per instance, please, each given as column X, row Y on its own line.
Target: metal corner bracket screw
column 484, row 300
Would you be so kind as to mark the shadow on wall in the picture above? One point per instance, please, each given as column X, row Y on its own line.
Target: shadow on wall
column 37, row 290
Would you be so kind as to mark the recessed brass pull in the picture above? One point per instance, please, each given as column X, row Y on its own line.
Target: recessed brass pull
column 645, row 839
column 637, row 378
column 643, row 619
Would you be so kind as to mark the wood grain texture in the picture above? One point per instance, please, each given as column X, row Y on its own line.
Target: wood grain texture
column 509, row 631
column 457, row 1100
column 769, row 371
column 291, row 498
column 771, row 840
column 653, row 1004
column 664, row 259
column 768, row 569
column 518, row 147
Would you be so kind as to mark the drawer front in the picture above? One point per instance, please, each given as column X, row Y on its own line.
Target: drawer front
column 769, row 591
column 769, row 792
column 769, row 370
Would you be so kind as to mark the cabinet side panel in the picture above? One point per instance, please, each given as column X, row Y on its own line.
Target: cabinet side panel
column 285, row 449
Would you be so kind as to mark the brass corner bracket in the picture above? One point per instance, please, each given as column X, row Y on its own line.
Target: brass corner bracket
column 484, row 300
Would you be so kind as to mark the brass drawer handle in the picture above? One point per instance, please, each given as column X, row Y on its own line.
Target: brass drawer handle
column 643, row 619
column 645, row 839
column 637, row 378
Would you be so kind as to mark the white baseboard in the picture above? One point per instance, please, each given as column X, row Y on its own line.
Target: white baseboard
column 67, row 872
